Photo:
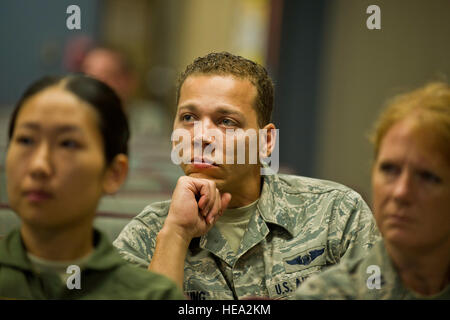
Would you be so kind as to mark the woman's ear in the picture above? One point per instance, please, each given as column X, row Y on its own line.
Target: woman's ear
column 115, row 174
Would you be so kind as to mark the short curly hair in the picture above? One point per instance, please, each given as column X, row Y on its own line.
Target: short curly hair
column 225, row 63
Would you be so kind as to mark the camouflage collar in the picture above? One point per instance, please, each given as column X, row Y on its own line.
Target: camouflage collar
column 391, row 285
column 273, row 205
column 273, row 209
column 390, row 278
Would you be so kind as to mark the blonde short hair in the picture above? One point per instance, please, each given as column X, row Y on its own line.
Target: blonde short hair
column 430, row 107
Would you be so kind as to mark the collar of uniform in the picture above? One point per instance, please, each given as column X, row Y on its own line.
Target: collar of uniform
column 272, row 204
column 391, row 281
column 391, row 284
column 105, row 255
column 13, row 253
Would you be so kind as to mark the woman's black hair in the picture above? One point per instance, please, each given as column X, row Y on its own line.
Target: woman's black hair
column 113, row 122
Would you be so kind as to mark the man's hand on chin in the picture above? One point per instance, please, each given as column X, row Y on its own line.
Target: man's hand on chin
column 195, row 207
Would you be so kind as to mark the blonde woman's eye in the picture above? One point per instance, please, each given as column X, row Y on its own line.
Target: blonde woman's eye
column 389, row 168
column 430, row 177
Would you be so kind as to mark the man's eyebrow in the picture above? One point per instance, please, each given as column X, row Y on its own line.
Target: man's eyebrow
column 221, row 109
column 59, row 129
column 189, row 107
column 229, row 111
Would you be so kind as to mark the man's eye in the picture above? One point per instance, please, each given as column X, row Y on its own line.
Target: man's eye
column 187, row 118
column 228, row 122
column 428, row 176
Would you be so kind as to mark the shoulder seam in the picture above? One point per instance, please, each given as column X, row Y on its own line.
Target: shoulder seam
column 327, row 189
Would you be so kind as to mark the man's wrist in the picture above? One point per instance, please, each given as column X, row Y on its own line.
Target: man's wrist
column 174, row 235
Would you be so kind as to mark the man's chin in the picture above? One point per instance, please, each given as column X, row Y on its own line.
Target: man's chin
column 200, row 175
column 199, row 172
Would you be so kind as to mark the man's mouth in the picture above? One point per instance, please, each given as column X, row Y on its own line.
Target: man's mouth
column 203, row 163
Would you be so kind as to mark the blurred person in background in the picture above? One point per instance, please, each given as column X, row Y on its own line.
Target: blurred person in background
column 68, row 146
column 114, row 67
column 229, row 231
column 151, row 169
column 411, row 203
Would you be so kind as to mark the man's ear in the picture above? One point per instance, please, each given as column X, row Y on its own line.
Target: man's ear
column 115, row 174
column 271, row 135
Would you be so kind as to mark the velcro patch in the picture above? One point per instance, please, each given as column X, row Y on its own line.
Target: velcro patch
column 305, row 259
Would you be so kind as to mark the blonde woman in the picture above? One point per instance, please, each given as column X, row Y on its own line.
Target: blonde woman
column 411, row 205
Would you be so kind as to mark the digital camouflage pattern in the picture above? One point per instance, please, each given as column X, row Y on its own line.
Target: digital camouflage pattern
column 354, row 280
column 301, row 226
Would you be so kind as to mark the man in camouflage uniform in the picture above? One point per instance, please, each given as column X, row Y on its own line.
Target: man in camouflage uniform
column 279, row 229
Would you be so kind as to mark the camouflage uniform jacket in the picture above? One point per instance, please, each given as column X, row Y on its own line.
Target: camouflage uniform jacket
column 301, row 225
column 356, row 279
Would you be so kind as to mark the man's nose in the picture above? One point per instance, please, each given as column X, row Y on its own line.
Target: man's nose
column 202, row 130
column 40, row 164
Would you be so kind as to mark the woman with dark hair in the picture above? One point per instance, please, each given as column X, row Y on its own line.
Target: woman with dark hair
column 67, row 147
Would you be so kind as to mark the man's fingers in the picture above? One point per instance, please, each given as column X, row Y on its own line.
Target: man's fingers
column 216, row 209
column 222, row 202
column 202, row 202
column 210, row 202
column 202, row 192
column 205, row 192
column 225, row 200
column 209, row 199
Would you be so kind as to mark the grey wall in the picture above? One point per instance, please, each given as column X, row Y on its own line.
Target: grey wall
column 361, row 68
column 296, row 83
column 32, row 36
